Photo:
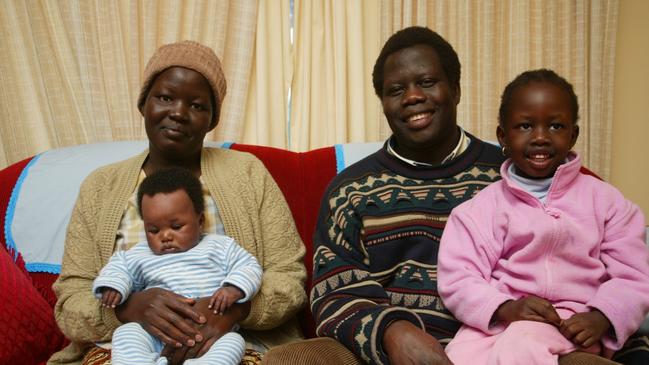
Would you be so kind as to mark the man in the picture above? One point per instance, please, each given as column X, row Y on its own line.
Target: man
column 375, row 261
column 377, row 236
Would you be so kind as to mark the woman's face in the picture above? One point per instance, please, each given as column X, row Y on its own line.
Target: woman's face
column 177, row 114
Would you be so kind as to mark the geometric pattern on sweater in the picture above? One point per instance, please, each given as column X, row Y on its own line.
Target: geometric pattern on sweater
column 376, row 244
column 427, row 202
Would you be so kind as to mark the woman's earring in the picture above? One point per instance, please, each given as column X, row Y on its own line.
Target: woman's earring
column 504, row 151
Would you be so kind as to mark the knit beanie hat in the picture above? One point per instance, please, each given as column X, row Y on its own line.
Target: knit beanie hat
column 191, row 55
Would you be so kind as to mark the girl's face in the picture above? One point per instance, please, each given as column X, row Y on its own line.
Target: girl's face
column 539, row 129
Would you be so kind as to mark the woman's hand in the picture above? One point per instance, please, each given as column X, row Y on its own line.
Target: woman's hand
column 407, row 344
column 162, row 314
column 585, row 329
column 529, row 308
column 216, row 326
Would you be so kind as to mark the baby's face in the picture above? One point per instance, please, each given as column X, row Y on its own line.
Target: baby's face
column 170, row 222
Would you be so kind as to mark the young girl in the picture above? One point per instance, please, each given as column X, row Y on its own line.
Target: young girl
column 548, row 260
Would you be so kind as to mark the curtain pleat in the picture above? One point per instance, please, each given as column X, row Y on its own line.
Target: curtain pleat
column 266, row 114
column 332, row 96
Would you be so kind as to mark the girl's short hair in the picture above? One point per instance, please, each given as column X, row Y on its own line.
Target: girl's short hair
column 540, row 75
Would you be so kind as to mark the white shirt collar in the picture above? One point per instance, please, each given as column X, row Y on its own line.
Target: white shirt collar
column 461, row 146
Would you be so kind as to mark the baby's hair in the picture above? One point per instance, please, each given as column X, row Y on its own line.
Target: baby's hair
column 540, row 75
column 413, row 36
column 172, row 179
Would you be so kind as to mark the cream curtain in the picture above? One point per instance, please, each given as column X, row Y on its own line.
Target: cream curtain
column 70, row 71
column 497, row 40
column 336, row 43
column 266, row 113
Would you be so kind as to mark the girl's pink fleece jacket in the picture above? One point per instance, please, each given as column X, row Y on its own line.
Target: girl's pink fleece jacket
column 583, row 249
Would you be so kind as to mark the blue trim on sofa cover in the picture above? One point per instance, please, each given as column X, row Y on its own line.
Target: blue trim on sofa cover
column 340, row 158
column 42, row 267
column 11, row 208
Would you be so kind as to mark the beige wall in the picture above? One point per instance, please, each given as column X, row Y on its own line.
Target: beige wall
column 630, row 157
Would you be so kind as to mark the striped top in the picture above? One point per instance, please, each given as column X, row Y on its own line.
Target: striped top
column 376, row 245
column 196, row 273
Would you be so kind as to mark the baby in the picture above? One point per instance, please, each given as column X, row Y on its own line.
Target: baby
column 176, row 257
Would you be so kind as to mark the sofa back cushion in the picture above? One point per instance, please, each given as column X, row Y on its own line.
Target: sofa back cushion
column 302, row 177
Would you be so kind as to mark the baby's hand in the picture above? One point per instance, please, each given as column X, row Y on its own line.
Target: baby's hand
column 224, row 297
column 529, row 308
column 110, row 298
column 585, row 329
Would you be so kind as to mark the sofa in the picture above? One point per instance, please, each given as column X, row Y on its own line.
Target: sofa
column 36, row 200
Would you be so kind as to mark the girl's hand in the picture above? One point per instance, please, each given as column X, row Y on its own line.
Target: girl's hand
column 585, row 329
column 529, row 308
column 211, row 331
column 110, row 297
column 224, row 297
column 162, row 314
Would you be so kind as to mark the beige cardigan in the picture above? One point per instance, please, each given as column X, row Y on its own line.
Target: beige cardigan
column 253, row 211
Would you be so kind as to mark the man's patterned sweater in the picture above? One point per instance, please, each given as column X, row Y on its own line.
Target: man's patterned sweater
column 376, row 245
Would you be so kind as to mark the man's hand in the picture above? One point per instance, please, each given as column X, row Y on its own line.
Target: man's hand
column 407, row 344
column 162, row 314
column 585, row 329
column 215, row 327
column 529, row 308
column 224, row 297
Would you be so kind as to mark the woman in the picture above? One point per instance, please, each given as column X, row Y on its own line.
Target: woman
column 180, row 101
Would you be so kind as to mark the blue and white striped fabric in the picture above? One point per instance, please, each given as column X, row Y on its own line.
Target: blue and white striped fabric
column 133, row 345
column 196, row 273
